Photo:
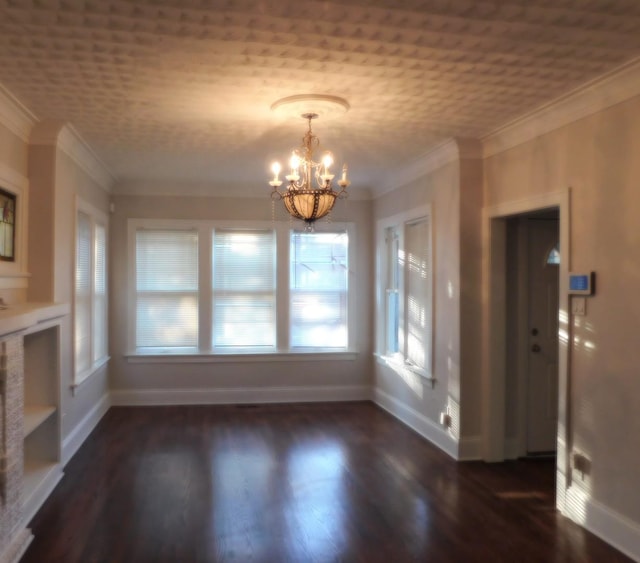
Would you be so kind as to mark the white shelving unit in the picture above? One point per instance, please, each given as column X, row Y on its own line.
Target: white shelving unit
column 41, row 419
column 34, row 416
column 30, row 417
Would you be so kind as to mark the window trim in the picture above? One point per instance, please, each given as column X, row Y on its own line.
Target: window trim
column 399, row 361
column 96, row 217
column 205, row 352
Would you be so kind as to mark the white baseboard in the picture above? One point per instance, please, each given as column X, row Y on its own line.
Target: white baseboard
column 19, row 542
column 470, row 448
column 79, row 434
column 614, row 528
column 418, row 422
column 240, row 395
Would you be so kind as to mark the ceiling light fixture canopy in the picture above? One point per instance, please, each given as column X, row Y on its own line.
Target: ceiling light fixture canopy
column 308, row 194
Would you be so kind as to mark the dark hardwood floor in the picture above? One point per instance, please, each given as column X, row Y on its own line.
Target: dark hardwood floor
column 302, row 483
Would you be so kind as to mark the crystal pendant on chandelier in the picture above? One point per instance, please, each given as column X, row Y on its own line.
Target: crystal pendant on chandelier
column 308, row 194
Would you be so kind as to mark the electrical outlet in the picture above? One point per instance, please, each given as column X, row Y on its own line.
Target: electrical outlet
column 445, row 419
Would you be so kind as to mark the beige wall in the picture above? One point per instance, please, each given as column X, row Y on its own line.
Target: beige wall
column 440, row 189
column 470, row 225
column 13, row 163
column 144, row 377
column 597, row 157
column 13, row 151
column 55, row 180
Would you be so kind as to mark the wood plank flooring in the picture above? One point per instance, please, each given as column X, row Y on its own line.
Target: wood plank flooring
column 295, row 483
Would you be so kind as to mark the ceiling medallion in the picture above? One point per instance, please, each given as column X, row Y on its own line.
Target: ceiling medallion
column 308, row 194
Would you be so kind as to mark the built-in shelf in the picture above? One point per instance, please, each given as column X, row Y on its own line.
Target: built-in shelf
column 30, row 354
column 34, row 416
column 35, row 473
column 40, row 478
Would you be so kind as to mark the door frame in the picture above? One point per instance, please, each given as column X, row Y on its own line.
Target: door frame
column 494, row 367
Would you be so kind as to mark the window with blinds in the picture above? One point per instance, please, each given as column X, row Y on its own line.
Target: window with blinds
column 166, row 288
column 244, row 289
column 209, row 287
column 318, row 290
column 100, row 294
column 90, row 294
column 418, row 293
column 405, row 330
column 82, row 304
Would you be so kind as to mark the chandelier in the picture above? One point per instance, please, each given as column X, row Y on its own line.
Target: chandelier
column 308, row 194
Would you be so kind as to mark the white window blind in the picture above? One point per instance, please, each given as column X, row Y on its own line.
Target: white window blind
column 100, row 294
column 166, row 288
column 392, row 290
column 83, row 284
column 417, row 302
column 244, row 289
column 318, row 290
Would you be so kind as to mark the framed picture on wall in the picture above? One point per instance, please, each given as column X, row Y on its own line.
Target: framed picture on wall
column 7, row 226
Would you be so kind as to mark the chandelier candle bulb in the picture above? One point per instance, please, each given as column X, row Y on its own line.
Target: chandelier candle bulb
column 275, row 168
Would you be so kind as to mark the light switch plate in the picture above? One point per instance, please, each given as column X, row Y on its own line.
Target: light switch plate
column 579, row 306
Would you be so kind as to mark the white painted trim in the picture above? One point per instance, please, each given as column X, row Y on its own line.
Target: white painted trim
column 79, row 434
column 15, row 116
column 415, row 420
column 73, row 145
column 70, row 142
column 609, row 525
column 170, row 357
column 470, row 448
column 20, row 541
column 239, row 395
column 608, row 90
column 45, row 487
column 450, row 151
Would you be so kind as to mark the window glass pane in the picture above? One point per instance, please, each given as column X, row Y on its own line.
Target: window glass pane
column 392, row 291
column 100, row 294
column 167, row 260
column 244, row 313
column 167, row 288
column 167, row 320
column 318, row 290
column 417, row 305
column 82, row 303
column 554, row 255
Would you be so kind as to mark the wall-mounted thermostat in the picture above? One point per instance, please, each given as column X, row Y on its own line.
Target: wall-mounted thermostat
column 582, row 284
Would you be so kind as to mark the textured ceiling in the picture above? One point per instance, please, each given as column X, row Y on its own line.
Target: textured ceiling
column 182, row 88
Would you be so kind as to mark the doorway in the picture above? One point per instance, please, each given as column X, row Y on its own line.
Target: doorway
column 503, row 393
column 532, row 303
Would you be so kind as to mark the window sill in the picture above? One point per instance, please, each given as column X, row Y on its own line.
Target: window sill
column 169, row 356
column 398, row 364
column 85, row 375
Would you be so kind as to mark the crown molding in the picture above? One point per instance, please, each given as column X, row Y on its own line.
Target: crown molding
column 15, row 116
column 191, row 188
column 451, row 150
column 72, row 143
column 65, row 137
column 607, row 90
